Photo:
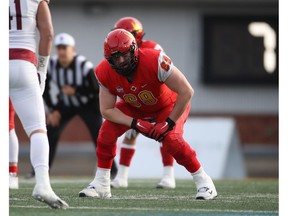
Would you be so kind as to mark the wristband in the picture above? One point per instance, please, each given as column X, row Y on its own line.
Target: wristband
column 133, row 124
column 43, row 63
column 170, row 122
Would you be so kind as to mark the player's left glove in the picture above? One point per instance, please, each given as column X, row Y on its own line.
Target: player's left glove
column 160, row 130
column 141, row 126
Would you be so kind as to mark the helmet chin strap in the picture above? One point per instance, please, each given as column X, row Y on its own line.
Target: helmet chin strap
column 130, row 78
column 128, row 72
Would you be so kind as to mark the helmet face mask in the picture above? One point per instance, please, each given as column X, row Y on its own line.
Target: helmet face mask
column 121, row 51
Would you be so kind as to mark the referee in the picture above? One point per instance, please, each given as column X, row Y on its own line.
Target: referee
column 71, row 89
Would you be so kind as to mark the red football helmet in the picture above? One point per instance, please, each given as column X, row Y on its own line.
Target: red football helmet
column 121, row 43
column 133, row 25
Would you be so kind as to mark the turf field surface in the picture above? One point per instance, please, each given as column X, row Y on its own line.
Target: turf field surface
column 235, row 197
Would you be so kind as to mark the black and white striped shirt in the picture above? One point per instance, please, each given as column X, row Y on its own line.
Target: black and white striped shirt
column 80, row 75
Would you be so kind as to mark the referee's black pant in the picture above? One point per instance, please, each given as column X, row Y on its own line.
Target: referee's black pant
column 93, row 120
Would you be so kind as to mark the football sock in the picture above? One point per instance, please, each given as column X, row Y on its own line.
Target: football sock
column 126, row 154
column 123, row 172
column 39, row 156
column 13, row 147
column 101, row 174
column 13, row 169
column 168, row 171
column 201, row 178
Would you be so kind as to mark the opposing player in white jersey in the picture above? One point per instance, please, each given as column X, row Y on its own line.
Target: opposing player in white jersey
column 135, row 27
column 25, row 17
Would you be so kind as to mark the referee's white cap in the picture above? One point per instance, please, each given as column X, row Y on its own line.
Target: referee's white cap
column 64, row 39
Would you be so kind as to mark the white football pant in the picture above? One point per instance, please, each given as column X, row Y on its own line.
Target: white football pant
column 25, row 94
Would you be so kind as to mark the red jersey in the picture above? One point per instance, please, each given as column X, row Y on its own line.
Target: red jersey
column 150, row 44
column 147, row 93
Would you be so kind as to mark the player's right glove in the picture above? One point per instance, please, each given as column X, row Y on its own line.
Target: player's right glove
column 42, row 70
column 142, row 126
column 42, row 79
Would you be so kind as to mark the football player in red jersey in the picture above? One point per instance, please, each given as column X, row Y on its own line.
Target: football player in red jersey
column 151, row 89
column 127, row 151
column 135, row 27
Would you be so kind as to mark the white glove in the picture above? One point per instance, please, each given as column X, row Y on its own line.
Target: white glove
column 42, row 79
column 42, row 71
